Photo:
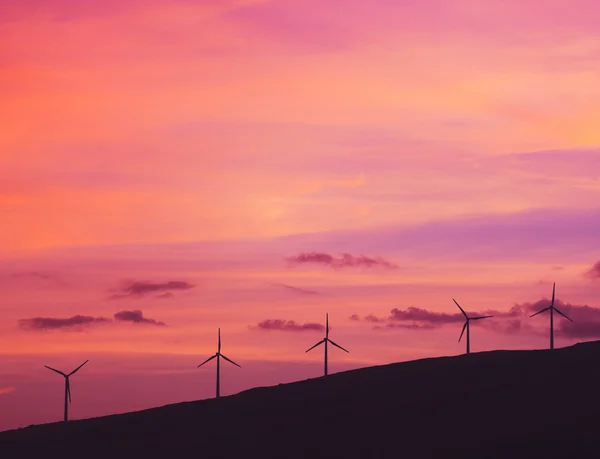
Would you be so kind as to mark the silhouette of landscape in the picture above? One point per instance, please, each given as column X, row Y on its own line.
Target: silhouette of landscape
column 496, row 404
column 170, row 168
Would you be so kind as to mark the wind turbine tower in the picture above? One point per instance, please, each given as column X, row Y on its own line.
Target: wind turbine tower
column 325, row 341
column 467, row 325
column 67, row 386
column 218, row 356
column 552, row 309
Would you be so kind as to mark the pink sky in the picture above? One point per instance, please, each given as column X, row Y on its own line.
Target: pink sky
column 450, row 148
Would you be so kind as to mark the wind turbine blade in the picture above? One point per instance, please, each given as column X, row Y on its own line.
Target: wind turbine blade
column 207, row 360
column 219, row 345
column 337, row 345
column 69, row 389
column 564, row 315
column 539, row 312
column 230, row 361
column 320, row 342
column 77, row 369
column 58, row 371
column 461, row 309
column 463, row 330
column 553, row 290
column 481, row 317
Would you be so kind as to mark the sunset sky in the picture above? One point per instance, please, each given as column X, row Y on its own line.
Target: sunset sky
column 168, row 167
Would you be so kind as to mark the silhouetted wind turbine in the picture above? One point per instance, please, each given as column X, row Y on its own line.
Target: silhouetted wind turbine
column 551, row 308
column 327, row 340
column 67, row 386
column 467, row 326
column 218, row 356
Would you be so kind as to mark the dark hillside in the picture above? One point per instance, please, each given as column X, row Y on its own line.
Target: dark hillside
column 500, row 404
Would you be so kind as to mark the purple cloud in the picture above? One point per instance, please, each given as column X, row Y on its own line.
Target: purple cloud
column 345, row 260
column 414, row 318
column 138, row 289
column 136, row 317
column 77, row 322
column 585, row 325
column 423, row 315
column 288, row 325
column 586, row 319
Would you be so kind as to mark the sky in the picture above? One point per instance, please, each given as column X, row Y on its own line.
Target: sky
column 171, row 167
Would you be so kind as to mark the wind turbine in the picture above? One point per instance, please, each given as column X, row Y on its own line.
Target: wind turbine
column 327, row 340
column 218, row 356
column 467, row 326
column 67, row 386
column 551, row 308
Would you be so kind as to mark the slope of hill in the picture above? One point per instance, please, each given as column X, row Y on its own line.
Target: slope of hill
column 499, row 404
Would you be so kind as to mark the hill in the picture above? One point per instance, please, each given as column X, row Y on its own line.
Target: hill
column 498, row 404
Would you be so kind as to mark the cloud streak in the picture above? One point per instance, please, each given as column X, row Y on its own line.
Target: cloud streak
column 346, row 260
column 6, row 390
column 81, row 322
column 288, row 326
column 139, row 289
column 299, row 290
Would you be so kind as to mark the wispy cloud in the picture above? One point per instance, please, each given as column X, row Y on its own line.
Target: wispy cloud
column 6, row 390
column 373, row 318
column 344, row 261
column 515, row 236
column 303, row 291
column 136, row 317
column 77, row 322
column 413, row 326
column 287, row 325
column 138, row 289
column 33, row 274
column 594, row 271
column 165, row 295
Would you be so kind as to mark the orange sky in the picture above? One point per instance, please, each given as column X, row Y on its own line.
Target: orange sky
column 208, row 142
